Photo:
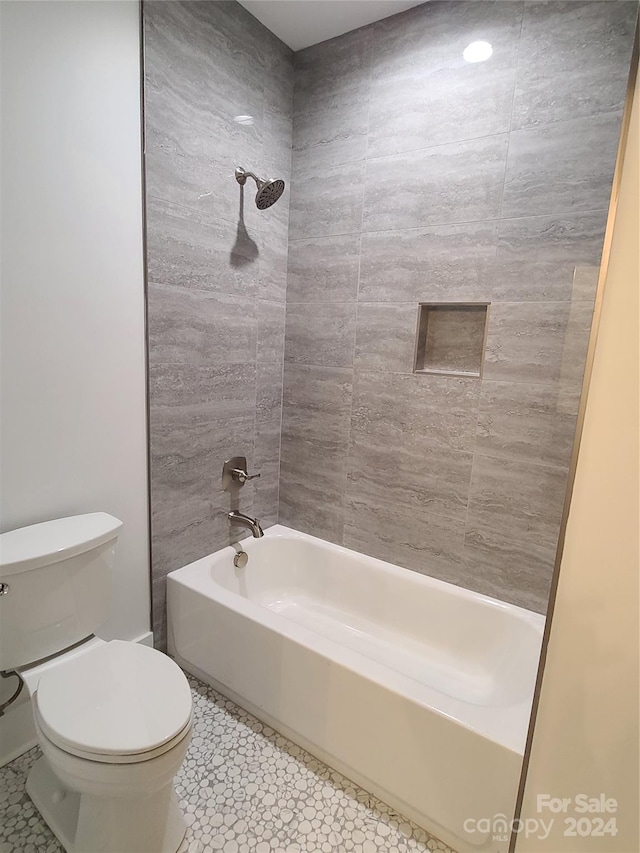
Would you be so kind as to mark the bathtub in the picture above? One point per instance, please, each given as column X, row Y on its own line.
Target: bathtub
column 416, row 689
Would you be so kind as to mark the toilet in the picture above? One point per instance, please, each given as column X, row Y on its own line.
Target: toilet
column 113, row 719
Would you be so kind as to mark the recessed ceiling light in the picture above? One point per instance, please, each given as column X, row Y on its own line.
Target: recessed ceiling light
column 248, row 120
column 477, row 51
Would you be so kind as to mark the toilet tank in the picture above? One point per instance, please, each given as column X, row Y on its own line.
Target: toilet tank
column 55, row 585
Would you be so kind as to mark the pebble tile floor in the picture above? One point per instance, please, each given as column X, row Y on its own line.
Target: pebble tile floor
column 243, row 789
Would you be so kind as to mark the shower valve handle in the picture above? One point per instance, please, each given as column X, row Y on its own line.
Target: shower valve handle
column 241, row 476
column 234, row 473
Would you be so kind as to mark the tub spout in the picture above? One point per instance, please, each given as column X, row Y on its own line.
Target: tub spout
column 246, row 521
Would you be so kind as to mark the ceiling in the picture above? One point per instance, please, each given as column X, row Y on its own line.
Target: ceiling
column 300, row 23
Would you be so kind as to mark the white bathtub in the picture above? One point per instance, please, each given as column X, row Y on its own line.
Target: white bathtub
column 418, row 690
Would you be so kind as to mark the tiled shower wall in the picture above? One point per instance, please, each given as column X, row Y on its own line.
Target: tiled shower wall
column 218, row 91
column 418, row 177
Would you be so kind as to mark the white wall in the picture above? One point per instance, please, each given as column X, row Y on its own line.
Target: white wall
column 72, row 417
column 586, row 738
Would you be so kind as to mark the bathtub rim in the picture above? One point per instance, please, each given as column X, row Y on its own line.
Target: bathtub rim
column 492, row 721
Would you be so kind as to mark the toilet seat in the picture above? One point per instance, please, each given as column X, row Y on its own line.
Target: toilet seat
column 119, row 703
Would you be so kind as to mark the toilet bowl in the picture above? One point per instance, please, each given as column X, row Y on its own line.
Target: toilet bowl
column 114, row 723
column 113, row 718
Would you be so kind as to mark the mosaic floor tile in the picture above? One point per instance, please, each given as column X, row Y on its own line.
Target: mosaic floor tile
column 243, row 789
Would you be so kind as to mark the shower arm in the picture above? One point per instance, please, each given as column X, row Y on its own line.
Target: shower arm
column 242, row 175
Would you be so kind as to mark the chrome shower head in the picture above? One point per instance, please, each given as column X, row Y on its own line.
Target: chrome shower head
column 268, row 191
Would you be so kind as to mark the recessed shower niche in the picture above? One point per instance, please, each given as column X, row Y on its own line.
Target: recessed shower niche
column 451, row 338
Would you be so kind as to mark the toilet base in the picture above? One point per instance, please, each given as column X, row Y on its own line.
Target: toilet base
column 87, row 824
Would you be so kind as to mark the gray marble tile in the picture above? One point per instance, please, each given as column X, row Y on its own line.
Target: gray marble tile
column 433, row 33
column 458, row 182
column 278, row 105
column 538, row 342
column 530, row 423
column 574, row 60
column 271, row 318
column 189, row 249
column 326, row 201
column 585, row 283
column 269, row 392
column 447, row 263
column 199, row 416
column 332, row 67
column 332, row 129
column 563, row 167
column 437, row 97
column 312, row 486
column 194, row 326
column 221, row 40
column 385, row 335
column 315, row 439
column 408, row 475
column 423, row 542
column 321, row 333
column 193, row 171
column 537, row 257
column 204, row 66
column 324, row 269
column 393, row 409
column 508, row 574
column 317, row 404
column 195, row 412
column 272, row 260
column 514, row 516
column 267, row 463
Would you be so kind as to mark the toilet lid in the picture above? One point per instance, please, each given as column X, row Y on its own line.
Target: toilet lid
column 118, row 699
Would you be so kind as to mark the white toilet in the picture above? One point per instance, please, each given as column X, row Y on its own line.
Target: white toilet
column 113, row 718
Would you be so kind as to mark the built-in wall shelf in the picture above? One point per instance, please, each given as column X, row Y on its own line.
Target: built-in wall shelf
column 451, row 338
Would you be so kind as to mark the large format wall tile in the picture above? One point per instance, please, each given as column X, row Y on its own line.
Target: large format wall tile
column 430, row 411
column 538, row 342
column 324, row 269
column 321, row 334
column 194, row 326
column 317, row 403
column 315, row 433
column 271, row 320
column 422, row 541
column 561, row 168
column 416, row 178
column 187, row 248
column 217, row 272
column 439, row 97
column 332, row 130
column 199, row 417
column 537, row 257
column 408, row 477
column 385, row 333
column 574, row 60
column 332, row 67
column 483, row 182
column 438, row 263
column 459, row 182
column 266, row 459
column 532, row 423
column 272, row 259
column 326, row 201
column 513, row 523
column 269, row 378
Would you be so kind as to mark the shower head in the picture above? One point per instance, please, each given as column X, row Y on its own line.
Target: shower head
column 268, row 191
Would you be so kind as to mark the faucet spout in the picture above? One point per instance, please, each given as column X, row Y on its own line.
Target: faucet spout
column 246, row 521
